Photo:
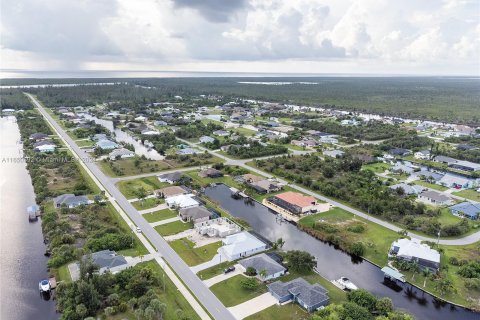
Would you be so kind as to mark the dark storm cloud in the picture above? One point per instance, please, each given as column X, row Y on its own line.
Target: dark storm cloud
column 213, row 10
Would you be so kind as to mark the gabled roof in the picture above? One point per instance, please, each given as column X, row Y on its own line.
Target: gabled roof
column 107, row 259
column 296, row 198
column 434, row 195
column 195, row 213
column 38, row 135
column 309, row 294
column 262, row 262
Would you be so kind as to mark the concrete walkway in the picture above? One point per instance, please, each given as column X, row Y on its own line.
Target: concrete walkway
column 253, row 306
column 217, row 259
column 159, row 223
column 222, row 277
column 157, row 208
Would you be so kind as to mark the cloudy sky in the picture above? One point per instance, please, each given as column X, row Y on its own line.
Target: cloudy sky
column 298, row 36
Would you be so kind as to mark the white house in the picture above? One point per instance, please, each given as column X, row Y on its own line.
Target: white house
column 150, row 132
column 454, row 180
column 206, row 139
column 241, row 244
column 422, row 155
column 182, row 201
column 44, row 146
column 121, row 153
column 414, row 250
column 263, row 263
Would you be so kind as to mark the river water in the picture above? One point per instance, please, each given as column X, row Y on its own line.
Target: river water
column 22, row 263
column 121, row 136
column 333, row 263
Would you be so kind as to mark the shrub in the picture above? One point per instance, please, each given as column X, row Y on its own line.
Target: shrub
column 249, row 284
column 251, row 271
column 356, row 228
column 357, row 249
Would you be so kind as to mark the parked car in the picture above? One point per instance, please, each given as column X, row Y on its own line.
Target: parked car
column 229, row 269
column 139, row 230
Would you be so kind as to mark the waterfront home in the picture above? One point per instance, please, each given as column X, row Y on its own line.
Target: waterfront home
column 38, row 136
column 422, row 155
column 206, row 139
column 465, row 166
column 451, row 180
column 445, row 160
column 194, row 214
column 44, row 146
column 400, row 168
column 106, row 144
column 248, row 178
column 121, row 153
column 105, row 260
column 70, row 201
column 470, row 210
column 415, row 251
column 99, row 136
column 435, row 198
column 399, row 152
column 172, row 177
column 242, row 244
column 265, row 267
column 333, row 153
column 265, row 186
column 408, row 189
column 295, row 203
column 218, row 227
column 309, row 296
column 171, row 191
column 182, row 201
column 210, row 173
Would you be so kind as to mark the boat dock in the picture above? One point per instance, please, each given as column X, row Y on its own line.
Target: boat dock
column 393, row 274
column 33, row 212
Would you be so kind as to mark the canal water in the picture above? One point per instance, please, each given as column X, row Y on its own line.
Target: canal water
column 22, row 263
column 333, row 263
column 121, row 136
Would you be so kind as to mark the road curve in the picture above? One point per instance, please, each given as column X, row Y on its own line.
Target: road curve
column 196, row 286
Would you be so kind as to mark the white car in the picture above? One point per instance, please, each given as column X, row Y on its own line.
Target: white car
column 139, row 230
column 44, row 286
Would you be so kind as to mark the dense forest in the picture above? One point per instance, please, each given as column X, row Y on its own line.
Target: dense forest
column 454, row 100
column 13, row 99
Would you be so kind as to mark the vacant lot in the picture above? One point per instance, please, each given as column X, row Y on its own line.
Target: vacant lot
column 194, row 256
column 173, row 228
column 231, row 293
column 160, row 215
column 147, row 203
column 130, row 188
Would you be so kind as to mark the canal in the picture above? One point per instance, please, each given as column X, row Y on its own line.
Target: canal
column 121, row 136
column 333, row 263
column 22, row 263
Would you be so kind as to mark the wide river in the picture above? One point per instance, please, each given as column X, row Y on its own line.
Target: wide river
column 333, row 263
column 22, row 263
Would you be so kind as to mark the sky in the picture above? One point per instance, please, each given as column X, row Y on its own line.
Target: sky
column 417, row 37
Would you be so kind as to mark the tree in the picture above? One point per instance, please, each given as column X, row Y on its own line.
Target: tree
column 81, row 310
column 109, row 311
column 384, row 306
column 251, row 271
column 141, row 194
column 300, row 261
column 263, row 273
column 444, row 286
column 354, row 311
column 363, row 298
column 357, row 249
column 87, row 267
column 425, row 272
column 414, row 267
column 158, row 307
column 249, row 284
column 132, row 303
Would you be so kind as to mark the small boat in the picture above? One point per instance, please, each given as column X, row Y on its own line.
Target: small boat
column 44, row 286
column 347, row 284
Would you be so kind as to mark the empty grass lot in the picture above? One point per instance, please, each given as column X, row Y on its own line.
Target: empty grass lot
column 215, row 270
column 430, row 185
column 160, row 215
column 128, row 167
column 194, row 256
column 468, row 194
column 286, row 312
column 147, row 203
column 378, row 167
column 129, row 188
column 231, row 293
column 173, row 228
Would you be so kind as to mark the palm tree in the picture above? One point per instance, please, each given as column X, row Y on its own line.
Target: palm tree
column 262, row 273
column 426, row 272
column 141, row 194
column 414, row 267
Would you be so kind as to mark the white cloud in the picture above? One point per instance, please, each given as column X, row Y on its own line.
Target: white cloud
column 304, row 34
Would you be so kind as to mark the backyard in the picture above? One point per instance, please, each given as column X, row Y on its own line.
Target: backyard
column 230, row 292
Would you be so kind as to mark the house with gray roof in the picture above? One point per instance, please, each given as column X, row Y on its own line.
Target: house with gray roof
column 445, row 160
column 451, row 180
column 70, row 201
column 262, row 263
column 172, row 177
column 408, row 189
column 309, row 296
column 435, row 198
column 195, row 214
column 333, row 153
column 470, row 210
column 38, row 136
column 106, row 144
column 465, row 165
column 105, row 260
column 206, row 139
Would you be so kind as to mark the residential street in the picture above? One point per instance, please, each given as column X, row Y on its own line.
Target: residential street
column 196, row 286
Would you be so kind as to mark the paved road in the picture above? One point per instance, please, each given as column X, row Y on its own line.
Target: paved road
column 196, row 286
column 242, row 163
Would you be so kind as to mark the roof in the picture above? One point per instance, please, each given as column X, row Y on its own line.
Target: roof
column 38, row 135
column 240, row 243
column 398, row 151
column 414, row 248
column 450, row 179
column 195, row 213
column 393, row 273
column 107, row 259
column 209, row 172
column 172, row 191
column 445, row 159
column 296, row 198
column 333, row 153
column 252, row 177
column 266, row 184
column 309, row 294
column 262, row 262
column 121, row 152
column 468, row 164
column 408, row 189
column 182, row 201
column 105, row 143
column 172, row 176
column 471, row 209
column 70, row 199
column 44, row 143
column 434, row 195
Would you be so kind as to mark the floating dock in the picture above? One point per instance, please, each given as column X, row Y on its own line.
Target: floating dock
column 33, row 212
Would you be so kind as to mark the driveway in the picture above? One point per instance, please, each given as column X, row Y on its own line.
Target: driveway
column 253, row 306
column 157, row 208
column 217, row 259
column 222, row 277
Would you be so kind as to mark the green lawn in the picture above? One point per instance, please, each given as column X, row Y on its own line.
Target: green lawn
column 246, row 132
column 127, row 167
column 378, row 167
column 291, row 311
column 62, row 274
column 228, row 180
column 85, row 143
column 430, row 185
column 469, row 194
column 215, row 270
column 129, row 187
column 231, row 293
column 147, row 203
column 173, row 228
column 160, row 215
column 194, row 256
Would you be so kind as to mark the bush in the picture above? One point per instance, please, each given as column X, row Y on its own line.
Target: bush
column 249, row 284
column 471, row 270
column 354, row 311
column 363, row 298
column 357, row 249
column 472, row 284
column 356, row 228
column 251, row 271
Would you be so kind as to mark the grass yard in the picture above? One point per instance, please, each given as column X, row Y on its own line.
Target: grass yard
column 160, row 215
column 62, row 274
column 129, row 187
column 215, row 270
column 194, row 256
column 147, row 203
column 378, row 167
column 231, row 293
column 228, row 180
column 85, row 143
column 430, row 185
column 286, row 312
column 377, row 239
column 246, row 132
column 173, row 228
column 468, row 194
column 132, row 166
